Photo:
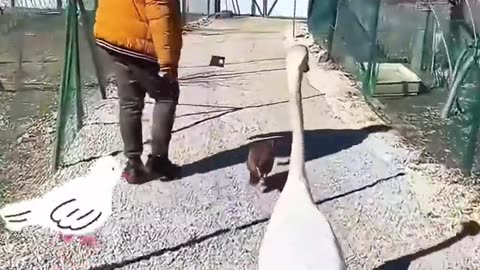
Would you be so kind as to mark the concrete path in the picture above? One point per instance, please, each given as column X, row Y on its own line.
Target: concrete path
column 212, row 218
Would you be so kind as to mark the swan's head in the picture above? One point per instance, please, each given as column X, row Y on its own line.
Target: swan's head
column 297, row 64
column 297, row 58
column 107, row 167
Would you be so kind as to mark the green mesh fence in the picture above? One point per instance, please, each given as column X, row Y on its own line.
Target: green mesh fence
column 47, row 67
column 31, row 52
column 384, row 42
column 83, row 78
column 84, row 75
column 70, row 109
column 50, row 91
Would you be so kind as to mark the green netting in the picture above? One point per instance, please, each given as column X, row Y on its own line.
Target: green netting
column 46, row 61
column 81, row 89
column 31, row 53
column 321, row 21
column 49, row 87
column 48, row 46
column 85, row 72
column 436, row 40
column 71, row 110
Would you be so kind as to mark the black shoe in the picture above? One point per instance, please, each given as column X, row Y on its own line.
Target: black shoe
column 160, row 167
column 134, row 172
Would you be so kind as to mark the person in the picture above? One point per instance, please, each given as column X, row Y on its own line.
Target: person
column 144, row 40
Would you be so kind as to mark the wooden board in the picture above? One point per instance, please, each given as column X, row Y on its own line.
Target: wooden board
column 395, row 79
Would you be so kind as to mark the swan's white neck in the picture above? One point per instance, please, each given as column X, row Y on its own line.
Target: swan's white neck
column 297, row 156
column 297, row 177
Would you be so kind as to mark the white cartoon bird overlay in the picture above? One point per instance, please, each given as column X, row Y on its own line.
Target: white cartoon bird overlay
column 76, row 208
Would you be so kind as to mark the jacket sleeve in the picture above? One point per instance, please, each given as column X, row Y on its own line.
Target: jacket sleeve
column 164, row 20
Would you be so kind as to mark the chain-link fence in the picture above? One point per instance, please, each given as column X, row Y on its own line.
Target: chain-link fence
column 418, row 58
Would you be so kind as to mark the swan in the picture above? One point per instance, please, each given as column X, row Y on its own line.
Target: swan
column 298, row 236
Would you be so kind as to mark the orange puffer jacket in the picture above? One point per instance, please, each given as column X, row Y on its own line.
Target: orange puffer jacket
column 149, row 29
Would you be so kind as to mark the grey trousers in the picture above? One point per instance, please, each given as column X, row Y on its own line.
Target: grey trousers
column 135, row 78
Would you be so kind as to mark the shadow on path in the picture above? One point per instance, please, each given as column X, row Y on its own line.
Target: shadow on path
column 222, row 110
column 217, row 233
column 318, row 143
column 470, row 228
column 277, row 182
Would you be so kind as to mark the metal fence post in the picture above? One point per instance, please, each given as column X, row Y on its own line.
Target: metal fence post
column 208, row 8
column 217, row 6
column 75, row 69
column 19, row 43
column 372, row 63
column 62, row 98
column 184, row 12
column 265, row 9
column 294, row 17
column 331, row 30
column 99, row 68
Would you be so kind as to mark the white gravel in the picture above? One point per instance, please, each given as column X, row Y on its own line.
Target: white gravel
column 212, row 219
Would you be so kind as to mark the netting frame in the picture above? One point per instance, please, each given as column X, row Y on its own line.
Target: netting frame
column 325, row 36
column 71, row 73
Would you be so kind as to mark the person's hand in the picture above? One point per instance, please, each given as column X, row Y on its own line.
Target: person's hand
column 170, row 75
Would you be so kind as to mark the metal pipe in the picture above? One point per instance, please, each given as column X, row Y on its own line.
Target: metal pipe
column 434, row 46
column 455, row 86
column 423, row 65
column 184, row 12
column 471, row 149
column 265, row 5
column 331, row 31
column 437, row 21
column 460, row 59
column 473, row 25
column 217, row 6
column 99, row 68
column 60, row 121
column 258, row 8
column 76, row 80
column 272, row 7
column 294, row 17
column 208, row 8
column 19, row 44
column 372, row 63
